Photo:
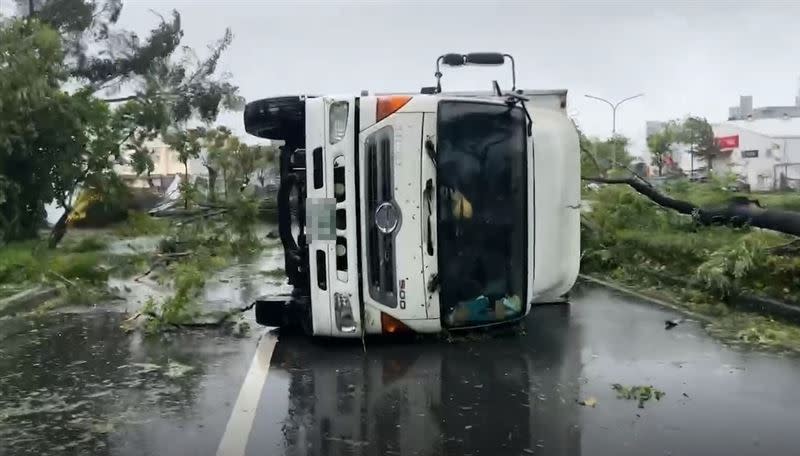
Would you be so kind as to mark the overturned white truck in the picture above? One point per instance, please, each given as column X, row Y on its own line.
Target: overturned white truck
column 414, row 212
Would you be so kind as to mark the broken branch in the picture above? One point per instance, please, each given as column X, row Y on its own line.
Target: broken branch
column 63, row 279
column 740, row 211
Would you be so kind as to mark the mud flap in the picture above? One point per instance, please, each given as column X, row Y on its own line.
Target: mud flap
column 290, row 312
column 273, row 311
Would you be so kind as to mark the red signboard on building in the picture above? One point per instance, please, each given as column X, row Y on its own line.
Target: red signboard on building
column 727, row 142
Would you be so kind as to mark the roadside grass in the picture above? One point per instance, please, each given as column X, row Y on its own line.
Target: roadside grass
column 21, row 262
column 33, row 262
column 79, row 268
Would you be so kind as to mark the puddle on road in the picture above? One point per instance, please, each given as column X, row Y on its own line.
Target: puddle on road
column 240, row 284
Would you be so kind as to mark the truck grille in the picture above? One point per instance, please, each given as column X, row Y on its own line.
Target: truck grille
column 380, row 189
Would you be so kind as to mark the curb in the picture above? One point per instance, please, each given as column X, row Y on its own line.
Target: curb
column 767, row 306
column 750, row 303
column 644, row 297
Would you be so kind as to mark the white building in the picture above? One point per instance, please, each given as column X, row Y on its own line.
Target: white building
column 766, row 152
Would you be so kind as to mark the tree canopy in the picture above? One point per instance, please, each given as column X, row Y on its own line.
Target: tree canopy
column 79, row 94
column 599, row 156
column 698, row 134
column 660, row 146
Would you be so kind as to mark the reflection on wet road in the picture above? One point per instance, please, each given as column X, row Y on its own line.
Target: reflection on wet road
column 519, row 395
column 76, row 384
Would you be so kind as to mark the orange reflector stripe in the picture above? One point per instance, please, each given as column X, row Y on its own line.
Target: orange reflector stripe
column 391, row 325
column 388, row 105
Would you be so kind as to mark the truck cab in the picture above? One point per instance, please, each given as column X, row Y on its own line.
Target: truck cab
column 416, row 212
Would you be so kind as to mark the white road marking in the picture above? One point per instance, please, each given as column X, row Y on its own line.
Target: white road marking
column 237, row 432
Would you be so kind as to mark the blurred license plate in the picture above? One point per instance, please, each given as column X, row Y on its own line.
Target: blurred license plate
column 321, row 219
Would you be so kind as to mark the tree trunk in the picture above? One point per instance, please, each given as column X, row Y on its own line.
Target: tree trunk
column 225, row 183
column 212, row 183
column 740, row 211
column 185, row 184
column 59, row 229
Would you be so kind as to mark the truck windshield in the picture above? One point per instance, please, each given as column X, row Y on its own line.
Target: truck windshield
column 482, row 212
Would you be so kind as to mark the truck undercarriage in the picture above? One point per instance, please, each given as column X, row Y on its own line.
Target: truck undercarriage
column 285, row 117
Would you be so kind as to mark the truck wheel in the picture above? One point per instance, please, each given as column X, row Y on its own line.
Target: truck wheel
column 280, row 118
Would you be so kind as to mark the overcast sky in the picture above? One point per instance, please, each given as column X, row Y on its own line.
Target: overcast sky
column 686, row 59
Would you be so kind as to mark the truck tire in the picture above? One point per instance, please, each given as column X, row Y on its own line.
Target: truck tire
column 279, row 118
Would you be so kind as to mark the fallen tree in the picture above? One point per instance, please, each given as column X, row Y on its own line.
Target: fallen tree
column 740, row 211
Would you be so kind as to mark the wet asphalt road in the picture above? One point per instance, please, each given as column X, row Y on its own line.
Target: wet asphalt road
column 75, row 384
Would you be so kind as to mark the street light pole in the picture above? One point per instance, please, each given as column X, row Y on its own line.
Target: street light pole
column 614, row 107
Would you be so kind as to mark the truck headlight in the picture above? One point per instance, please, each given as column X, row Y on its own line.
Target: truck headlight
column 337, row 118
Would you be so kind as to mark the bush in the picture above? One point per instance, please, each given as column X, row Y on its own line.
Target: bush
column 725, row 270
column 21, row 262
column 79, row 266
column 242, row 219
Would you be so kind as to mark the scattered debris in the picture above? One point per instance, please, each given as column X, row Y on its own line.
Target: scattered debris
column 588, row 402
column 161, row 259
column 669, row 324
column 145, row 368
column 176, row 369
column 351, row 442
column 640, row 393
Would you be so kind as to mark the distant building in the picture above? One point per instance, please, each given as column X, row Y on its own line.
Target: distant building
column 764, row 152
column 165, row 166
column 746, row 111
